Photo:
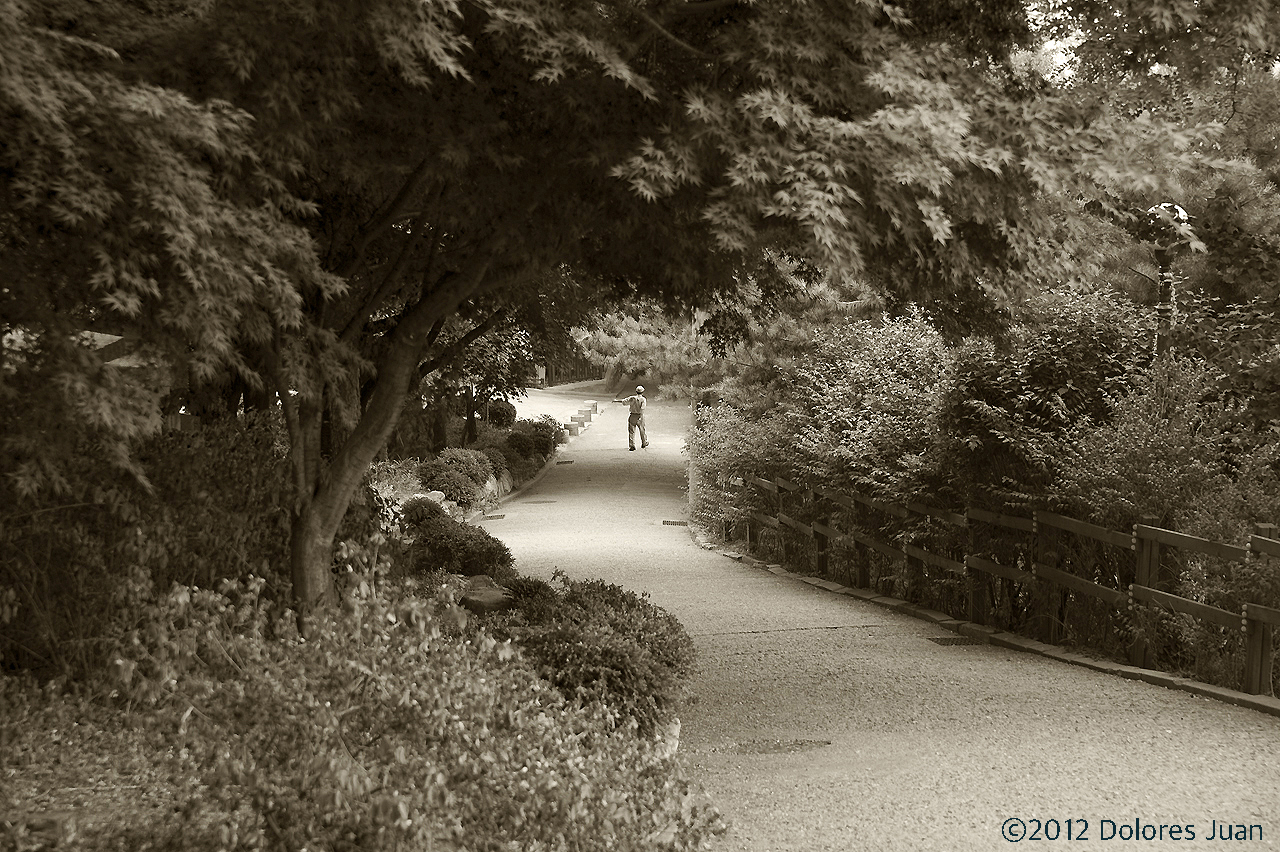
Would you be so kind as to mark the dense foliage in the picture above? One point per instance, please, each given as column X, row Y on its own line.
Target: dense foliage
column 317, row 204
column 597, row 642
column 439, row 543
column 215, row 512
column 395, row 725
column 1066, row 410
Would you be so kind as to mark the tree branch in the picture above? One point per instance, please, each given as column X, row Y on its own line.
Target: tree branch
column 380, row 294
column 702, row 7
column 1144, row 275
column 648, row 19
column 390, row 211
column 458, row 346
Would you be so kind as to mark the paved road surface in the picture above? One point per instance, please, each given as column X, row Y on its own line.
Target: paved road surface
column 826, row 723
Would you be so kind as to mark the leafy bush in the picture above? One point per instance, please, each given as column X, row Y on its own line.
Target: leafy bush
column 497, row 459
column 601, row 643
column 501, row 414
column 419, row 511
column 442, row 544
column 396, row 479
column 1175, row 450
column 472, row 464
column 524, row 469
column 435, row 475
column 1240, row 340
column 864, row 402
column 219, row 510
column 1058, row 365
column 727, row 444
column 394, row 725
column 519, row 445
column 544, row 433
column 553, row 427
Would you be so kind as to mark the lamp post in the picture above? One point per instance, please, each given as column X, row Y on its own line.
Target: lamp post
column 1165, row 230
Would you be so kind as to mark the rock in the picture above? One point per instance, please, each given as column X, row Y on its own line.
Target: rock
column 497, row 486
column 435, row 496
column 483, row 595
column 668, row 740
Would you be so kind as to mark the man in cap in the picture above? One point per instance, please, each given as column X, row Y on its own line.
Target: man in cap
column 635, row 421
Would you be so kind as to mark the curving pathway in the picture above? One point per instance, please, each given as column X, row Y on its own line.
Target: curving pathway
column 822, row 722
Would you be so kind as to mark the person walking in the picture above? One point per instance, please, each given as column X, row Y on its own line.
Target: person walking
column 635, row 420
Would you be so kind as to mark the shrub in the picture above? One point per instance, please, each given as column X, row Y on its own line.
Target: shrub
column 520, row 445
column 543, row 434
column 524, row 469
column 395, row 480
column 393, row 726
column 435, row 475
column 998, row 420
column 497, row 459
column 420, row 511
column 1174, row 450
column 550, row 426
column 472, row 464
column 725, row 444
column 442, row 544
column 501, row 414
column 220, row 510
column 864, row 400
column 601, row 643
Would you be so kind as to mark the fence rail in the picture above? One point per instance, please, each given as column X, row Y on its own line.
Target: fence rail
column 1048, row 587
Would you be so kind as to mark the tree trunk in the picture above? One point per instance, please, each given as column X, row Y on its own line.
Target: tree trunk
column 325, row 490
column 469, row 429
column 439, row 426
column 310, row 547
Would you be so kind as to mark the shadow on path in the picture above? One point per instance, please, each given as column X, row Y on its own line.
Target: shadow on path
column 824, row 723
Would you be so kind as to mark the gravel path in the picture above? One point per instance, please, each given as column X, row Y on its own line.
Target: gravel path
column 825, row 723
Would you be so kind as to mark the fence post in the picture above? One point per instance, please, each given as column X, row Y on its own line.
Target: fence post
column 820, row 543
column 784, row 538
column 1146, row 573
column 978, row 597
column 1258, row 635
column 1051, row 597
column 749, row 530
column 917, row 579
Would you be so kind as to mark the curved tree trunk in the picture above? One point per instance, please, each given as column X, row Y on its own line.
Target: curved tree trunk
column 324, row 490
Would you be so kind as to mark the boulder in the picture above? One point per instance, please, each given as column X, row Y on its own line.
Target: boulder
column 483, row 595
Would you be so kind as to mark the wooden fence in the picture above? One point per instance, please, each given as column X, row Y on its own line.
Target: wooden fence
column 996, row 554
column 576, row 368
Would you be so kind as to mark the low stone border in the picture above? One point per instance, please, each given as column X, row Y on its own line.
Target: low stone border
column 995, row 636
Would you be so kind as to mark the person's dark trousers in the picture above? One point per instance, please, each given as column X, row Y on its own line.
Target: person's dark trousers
column 636, row 421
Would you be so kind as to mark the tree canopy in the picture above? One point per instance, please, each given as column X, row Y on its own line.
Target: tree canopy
column 301, row 195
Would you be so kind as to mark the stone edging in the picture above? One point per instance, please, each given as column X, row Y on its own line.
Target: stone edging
column 995, row 636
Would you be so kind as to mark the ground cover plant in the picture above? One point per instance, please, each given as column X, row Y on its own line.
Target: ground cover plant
column 597, row 642
column 202, row 719
column 395, row 725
